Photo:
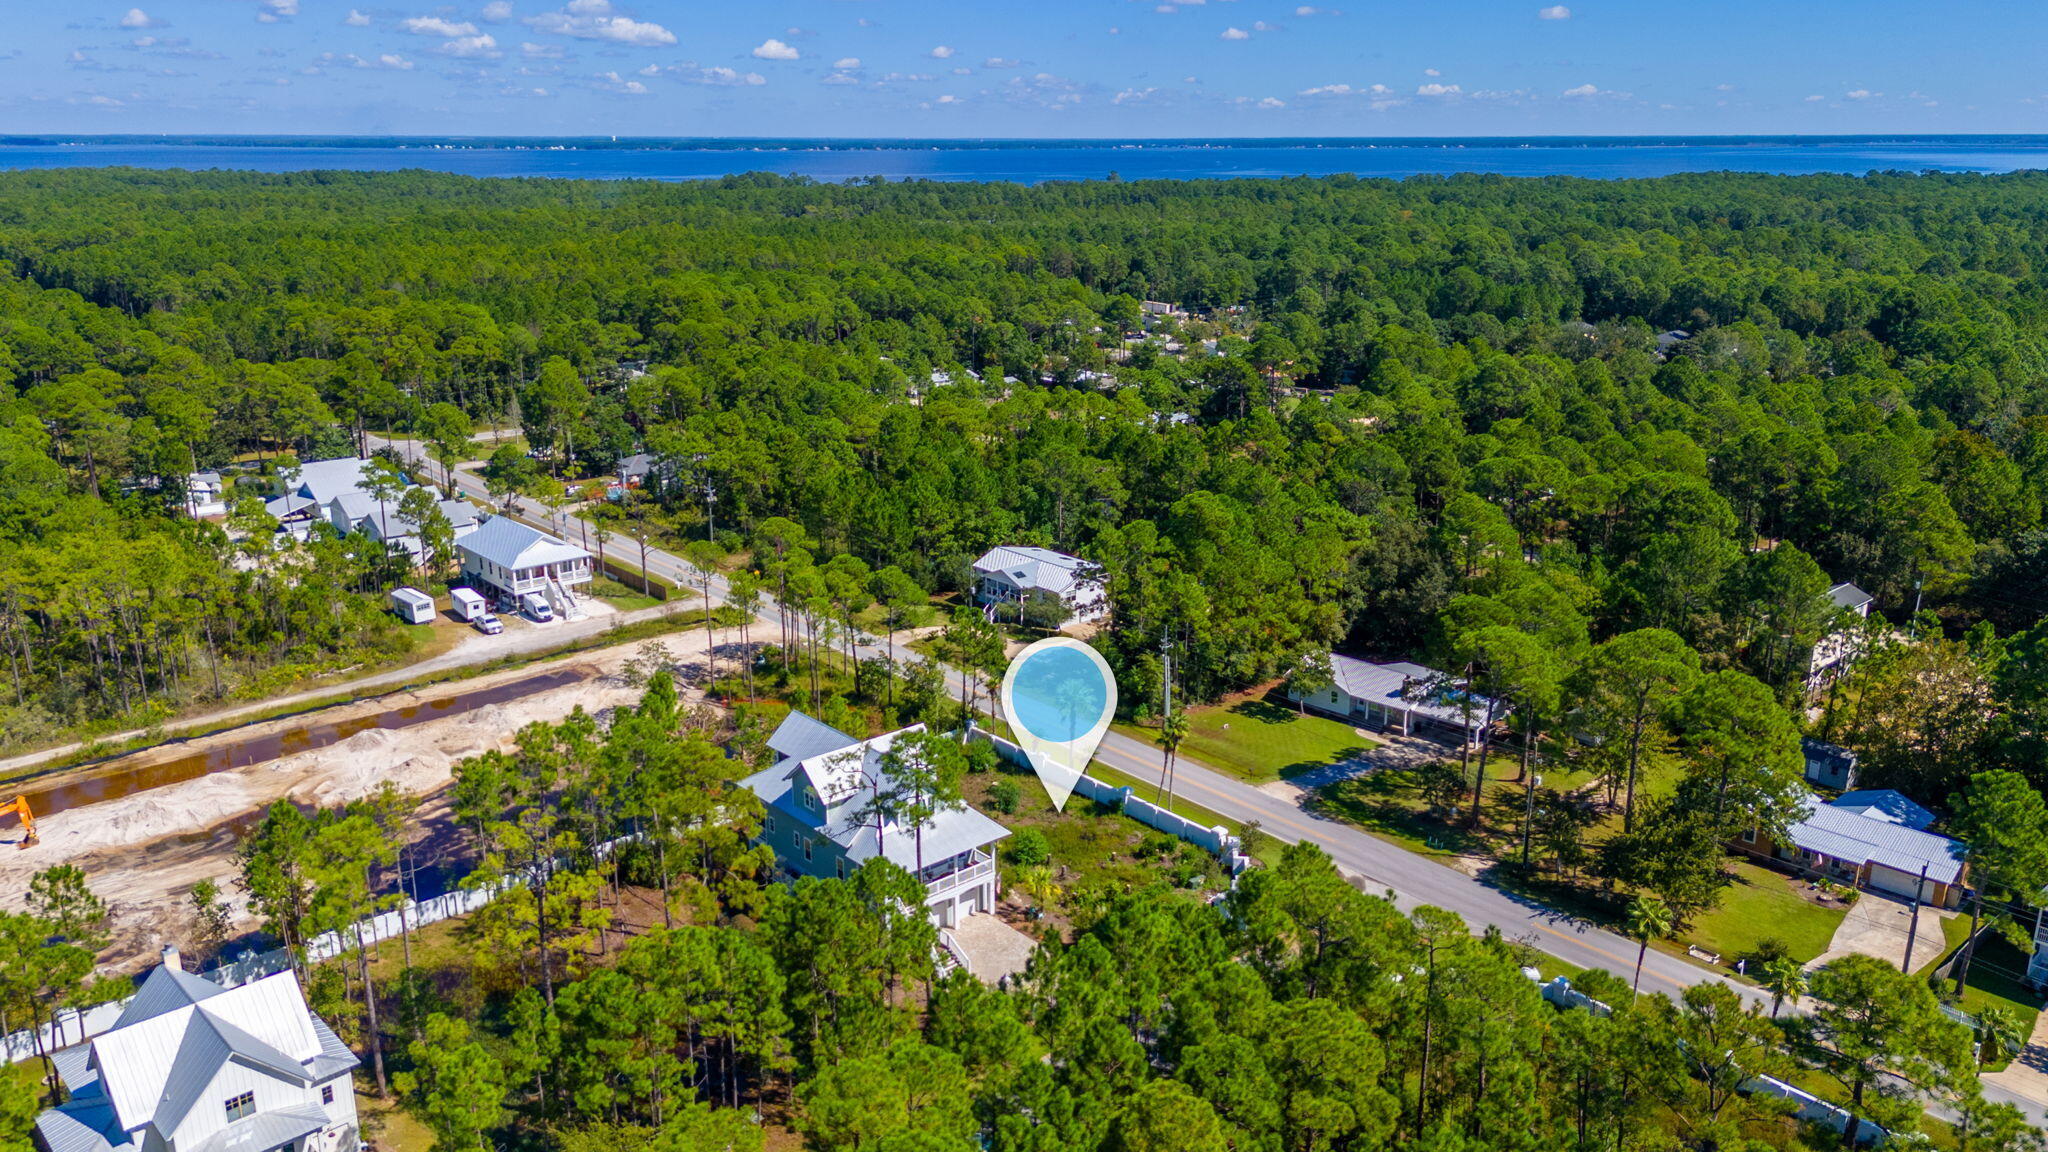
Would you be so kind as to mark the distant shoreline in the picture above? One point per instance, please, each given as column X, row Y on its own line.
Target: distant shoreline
column 908, row 144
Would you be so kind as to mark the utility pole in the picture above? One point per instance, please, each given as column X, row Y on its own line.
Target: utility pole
column 1913, row 926
column 710, row 503
column 1917, row 581
column 1166, row 704
column 1529, row 813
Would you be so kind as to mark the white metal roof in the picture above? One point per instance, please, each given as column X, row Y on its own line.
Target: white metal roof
column 1037, row 568
column 1406, row 687
column 153, row 1069
column 1848, row 596
column 799, row 737
column 511, row 545
column 1860, row 839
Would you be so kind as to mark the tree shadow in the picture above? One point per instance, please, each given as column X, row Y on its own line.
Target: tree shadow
column 1388, row 801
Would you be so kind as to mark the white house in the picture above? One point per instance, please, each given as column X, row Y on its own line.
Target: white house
column 513, row 559
column 1835, row 651
column 1006, row 574
column 191, row 1066
column 320, row 482
column 398, row 533
column 813, row 798
column 1405, row 698
column 205, row 495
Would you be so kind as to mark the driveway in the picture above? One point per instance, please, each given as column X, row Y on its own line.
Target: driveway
column 1880, row 926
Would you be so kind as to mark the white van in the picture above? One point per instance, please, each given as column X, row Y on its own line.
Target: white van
column 412, row 605
column 469, row 604
column 536, row 607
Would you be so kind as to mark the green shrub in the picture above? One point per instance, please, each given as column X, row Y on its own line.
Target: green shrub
column 1029, row 848
column 1004, row 795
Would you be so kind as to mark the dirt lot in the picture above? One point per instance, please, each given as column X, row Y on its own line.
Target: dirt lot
column 143, row 852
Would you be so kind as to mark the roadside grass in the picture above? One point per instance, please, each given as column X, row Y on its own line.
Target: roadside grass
column 1996, row 974
column 1260, row 740
column 621, row 597
column 1954, row 930
column 1757, row 905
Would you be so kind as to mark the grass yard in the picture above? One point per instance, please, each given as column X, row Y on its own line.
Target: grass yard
column 1758, row 905
column 1260, row 740
column 1995, row 975
column 620, row 596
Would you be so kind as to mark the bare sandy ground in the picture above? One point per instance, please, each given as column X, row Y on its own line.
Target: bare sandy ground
column 143, row 853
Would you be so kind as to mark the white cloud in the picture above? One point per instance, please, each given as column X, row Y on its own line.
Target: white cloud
column 436, row 26
column 1132, row 95
column 716, row 77
column 1554, row 12
column 840, row 78
column 1724, row 87
column 773, row 49
column 534, row 51
column 942, row 52
column 497, row 11
column 1862, row 94
column 594, row 20
column 356, row 19
column 613, row 82
column 1328, row 90
column 1431, row 72
column 482, row 46
column 137, row 18
column 963, row 71
column 1236, row 34
column 845, row 62
column 272, row 11
column 389, row 61
column 999, row 62
column 1311, row 10
column 1581, row 90
column 949, row 98
column 1815, row 99
column 1272, row 102
column 103, row 101
column 1438, row 90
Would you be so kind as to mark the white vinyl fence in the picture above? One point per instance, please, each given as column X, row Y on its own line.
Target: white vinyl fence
column 1216, row 840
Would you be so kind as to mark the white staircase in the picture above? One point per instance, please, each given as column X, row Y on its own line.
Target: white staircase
column 563, row 603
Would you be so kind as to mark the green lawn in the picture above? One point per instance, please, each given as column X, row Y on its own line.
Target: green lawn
column 1995, row 974
column 1260, row 740
column 1759, row 905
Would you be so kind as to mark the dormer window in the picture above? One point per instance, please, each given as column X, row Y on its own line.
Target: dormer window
column 808, row 799
column 241, row 1107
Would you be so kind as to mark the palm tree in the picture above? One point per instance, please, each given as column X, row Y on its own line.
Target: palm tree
column 1784, row 979
column 1998, row 1034
column 1648, row 918
column 1172, row 730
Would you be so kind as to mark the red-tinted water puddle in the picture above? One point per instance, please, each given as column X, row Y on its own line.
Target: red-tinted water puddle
column 127, row 782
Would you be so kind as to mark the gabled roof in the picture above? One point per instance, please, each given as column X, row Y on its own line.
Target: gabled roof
column 1849, row 597
column 1885, row 804
column 272, row 1129
column 323, row 480
column 358, row 506
column 509, row 544
column 152, row 1068
column 799, row 737
column 1859, row 839
column 163, row 990
column 1039, row 568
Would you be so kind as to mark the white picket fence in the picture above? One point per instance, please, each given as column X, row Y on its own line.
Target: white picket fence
column 1216, row 840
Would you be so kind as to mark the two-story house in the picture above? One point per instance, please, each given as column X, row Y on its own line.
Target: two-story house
column 1007, row 574
column 191, row 1066
column 815, row 798
column 513, row 560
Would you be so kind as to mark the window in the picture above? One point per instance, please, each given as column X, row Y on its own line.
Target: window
column 842, row 867
column 768, row 823
column 240, row 1107
column 807, row 847
column 327, row 1093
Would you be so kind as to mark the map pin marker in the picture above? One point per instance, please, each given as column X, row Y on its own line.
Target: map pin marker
column 1059, row 696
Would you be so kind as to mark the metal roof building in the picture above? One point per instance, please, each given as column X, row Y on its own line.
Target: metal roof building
column 191, row 1066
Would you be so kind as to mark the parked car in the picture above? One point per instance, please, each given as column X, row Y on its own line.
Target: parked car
column 489, row 624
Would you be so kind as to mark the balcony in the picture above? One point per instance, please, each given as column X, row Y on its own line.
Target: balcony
column 962, row 871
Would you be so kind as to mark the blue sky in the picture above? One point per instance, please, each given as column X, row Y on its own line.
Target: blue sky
column 1043, row 68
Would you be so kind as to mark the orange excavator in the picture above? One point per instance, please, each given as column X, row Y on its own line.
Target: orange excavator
column 19, row 806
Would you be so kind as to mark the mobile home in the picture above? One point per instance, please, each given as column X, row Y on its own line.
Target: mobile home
column 412, row 605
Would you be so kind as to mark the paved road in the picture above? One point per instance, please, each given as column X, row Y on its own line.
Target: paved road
column 1413, row 880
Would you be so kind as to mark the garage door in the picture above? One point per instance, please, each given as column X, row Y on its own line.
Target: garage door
column 1897, row 883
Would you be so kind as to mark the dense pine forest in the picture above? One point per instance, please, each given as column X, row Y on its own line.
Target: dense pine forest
column 1602, row 446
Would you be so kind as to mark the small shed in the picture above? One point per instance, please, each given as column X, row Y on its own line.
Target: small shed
column 470, row 604
column 412, row 605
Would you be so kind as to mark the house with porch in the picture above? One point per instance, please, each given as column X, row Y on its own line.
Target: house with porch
column 205, row 495
column 1006, row 574
column 191, row 1066
column 1404, row 698
column 1874, row 839
column 813, row 798
column 506, row 557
